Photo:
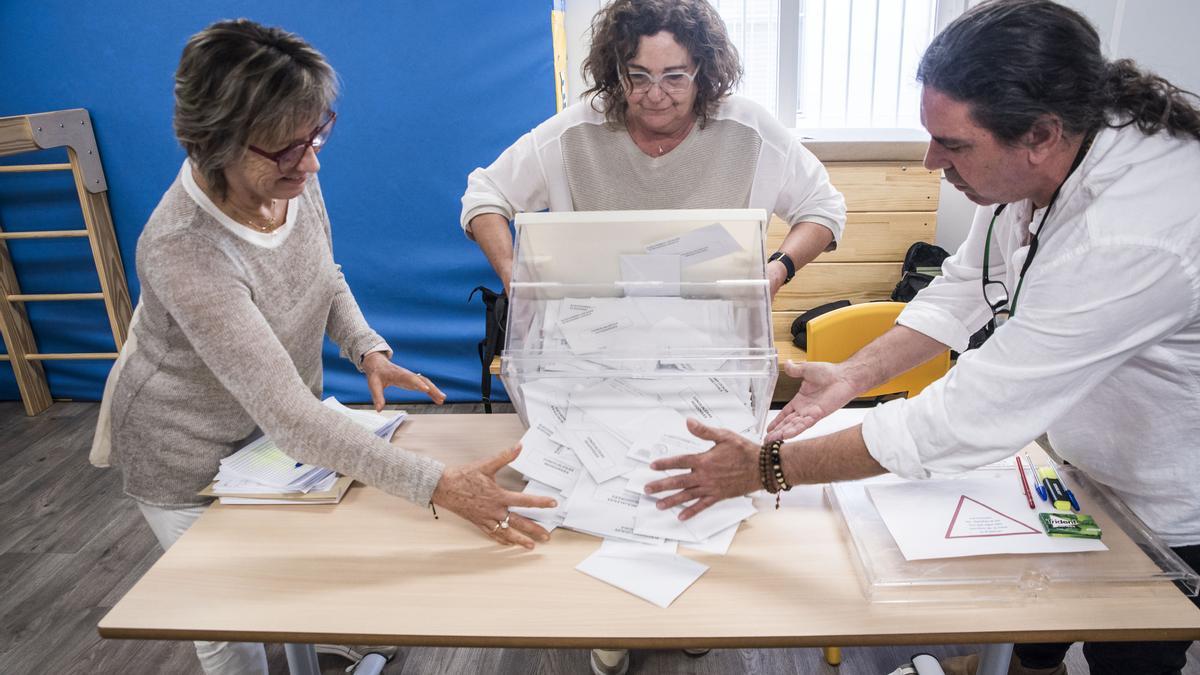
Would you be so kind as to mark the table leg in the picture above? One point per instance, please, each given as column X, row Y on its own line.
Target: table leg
column 994, row 658
column 302, row 659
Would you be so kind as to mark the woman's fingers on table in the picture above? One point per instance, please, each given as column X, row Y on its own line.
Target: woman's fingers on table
column 499, row 460
column 525, row 531
column 529, row 501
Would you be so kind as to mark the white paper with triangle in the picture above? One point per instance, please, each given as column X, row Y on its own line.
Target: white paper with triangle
column 982, row 513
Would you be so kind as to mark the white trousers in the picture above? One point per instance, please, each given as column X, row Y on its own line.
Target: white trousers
column 217, row 658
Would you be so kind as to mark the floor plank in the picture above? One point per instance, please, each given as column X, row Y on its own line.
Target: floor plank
column 71, row 545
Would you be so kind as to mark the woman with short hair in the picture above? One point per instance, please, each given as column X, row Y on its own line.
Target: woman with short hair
column 239, row 288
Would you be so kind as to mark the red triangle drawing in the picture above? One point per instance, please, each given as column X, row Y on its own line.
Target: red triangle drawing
column 981, row 520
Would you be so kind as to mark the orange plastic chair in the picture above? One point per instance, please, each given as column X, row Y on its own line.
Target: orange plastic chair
column 836, row 336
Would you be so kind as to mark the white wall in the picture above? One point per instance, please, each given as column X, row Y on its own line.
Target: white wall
column 1158, row 34
column 579, row 15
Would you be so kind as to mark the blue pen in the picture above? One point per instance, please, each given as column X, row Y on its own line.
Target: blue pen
column 1074, row 502
column 1037, row 484
column 298, row 465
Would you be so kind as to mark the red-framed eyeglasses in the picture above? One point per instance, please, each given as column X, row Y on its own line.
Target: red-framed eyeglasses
column 289, row 157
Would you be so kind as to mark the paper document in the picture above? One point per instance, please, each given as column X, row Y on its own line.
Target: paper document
column 699, row 245
column 605, row 510
column 545, row 461
column 984, row 513
column 718, row 544
column 261, row 469
column 653, row 576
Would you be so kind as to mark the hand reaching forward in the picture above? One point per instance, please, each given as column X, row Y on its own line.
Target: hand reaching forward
column 471, row 492
column 728, row 469
column 382, row 373
column 824, row 388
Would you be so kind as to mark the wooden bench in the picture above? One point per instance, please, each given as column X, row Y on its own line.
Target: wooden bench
column 891, row 202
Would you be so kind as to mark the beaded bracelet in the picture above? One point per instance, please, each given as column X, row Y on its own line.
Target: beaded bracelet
column 771, row 451
column 764, row 470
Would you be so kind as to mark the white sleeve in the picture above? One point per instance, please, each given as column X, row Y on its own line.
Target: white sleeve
column 514, row 183
column 952, row 308
column 806, row 195
column 1081, row 315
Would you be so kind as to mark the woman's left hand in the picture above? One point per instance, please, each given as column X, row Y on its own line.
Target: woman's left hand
column 382, row 373
column 728, row 469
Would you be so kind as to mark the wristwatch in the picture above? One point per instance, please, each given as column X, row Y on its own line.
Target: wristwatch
column 787, row 263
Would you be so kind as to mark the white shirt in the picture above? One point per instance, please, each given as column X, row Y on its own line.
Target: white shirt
column 1103, row 352
column 574, row 161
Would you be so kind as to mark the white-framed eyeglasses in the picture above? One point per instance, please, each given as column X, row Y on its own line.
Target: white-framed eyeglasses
column 674, row 82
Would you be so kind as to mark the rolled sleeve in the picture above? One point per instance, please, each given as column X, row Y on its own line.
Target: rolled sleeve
column 1085, row 314
column 512, row 184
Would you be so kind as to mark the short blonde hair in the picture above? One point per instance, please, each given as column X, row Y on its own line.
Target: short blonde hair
column 240, row 82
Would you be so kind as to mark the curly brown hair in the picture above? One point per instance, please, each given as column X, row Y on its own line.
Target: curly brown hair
column 617, row 29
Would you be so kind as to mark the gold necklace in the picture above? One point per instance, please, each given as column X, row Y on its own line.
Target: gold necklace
column 267, row 225
column 677, row 138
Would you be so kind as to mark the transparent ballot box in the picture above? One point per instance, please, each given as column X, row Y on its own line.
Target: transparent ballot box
column 1132, row 560
column 622, row 315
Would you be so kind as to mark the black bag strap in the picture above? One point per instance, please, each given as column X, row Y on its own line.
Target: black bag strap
column 800, row 325
column 495, row 318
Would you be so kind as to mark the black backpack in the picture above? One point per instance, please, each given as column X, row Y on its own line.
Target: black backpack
column 495, row 307
column 916, row 271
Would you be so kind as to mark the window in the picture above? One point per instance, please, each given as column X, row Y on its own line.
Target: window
column 833, row 63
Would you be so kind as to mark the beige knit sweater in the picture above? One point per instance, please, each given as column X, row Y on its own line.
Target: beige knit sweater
column 229, row 342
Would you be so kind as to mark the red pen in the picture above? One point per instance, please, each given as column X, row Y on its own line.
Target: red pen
column 1024, row 483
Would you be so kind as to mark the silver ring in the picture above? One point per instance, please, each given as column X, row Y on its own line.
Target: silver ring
column 503, row 524
column 497, row 527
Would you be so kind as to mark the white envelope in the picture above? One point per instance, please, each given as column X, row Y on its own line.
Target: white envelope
column 699, row 245
column 606, row 511
column 656, row 577
column 718, row 544
column 545, row 461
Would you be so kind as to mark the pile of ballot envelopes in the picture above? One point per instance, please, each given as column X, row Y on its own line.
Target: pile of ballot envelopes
column 593, row 431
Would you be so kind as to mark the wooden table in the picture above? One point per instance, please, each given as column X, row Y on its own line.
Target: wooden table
column 377, row 570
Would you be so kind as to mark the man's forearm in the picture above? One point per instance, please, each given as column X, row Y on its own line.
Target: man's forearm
column 896, row 351
column 490, row 231
column 838, row 456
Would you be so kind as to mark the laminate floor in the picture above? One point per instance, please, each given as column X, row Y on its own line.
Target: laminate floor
column 71, row 545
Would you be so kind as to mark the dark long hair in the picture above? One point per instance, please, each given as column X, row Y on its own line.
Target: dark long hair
column 617, row 30
column 1014, row 61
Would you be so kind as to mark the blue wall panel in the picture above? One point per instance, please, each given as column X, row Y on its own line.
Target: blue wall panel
column 430, row 91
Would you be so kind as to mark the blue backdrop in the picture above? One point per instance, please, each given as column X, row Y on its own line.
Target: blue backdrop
column 430, row 91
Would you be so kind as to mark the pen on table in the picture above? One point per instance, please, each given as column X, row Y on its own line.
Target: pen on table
column 1037, row 485
column 1024, row 483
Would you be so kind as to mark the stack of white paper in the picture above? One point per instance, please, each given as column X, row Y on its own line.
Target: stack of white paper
column 589, row 446
column 262, row 468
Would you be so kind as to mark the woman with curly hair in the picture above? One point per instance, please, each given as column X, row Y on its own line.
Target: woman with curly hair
column 659, row 129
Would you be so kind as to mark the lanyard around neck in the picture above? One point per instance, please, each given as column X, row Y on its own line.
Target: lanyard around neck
column 1033, row 236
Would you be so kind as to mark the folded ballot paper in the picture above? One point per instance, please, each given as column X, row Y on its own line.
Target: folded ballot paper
column 589, row 446
column 261, row 473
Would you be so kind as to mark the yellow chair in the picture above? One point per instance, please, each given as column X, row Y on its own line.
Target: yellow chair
column 836, row 336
